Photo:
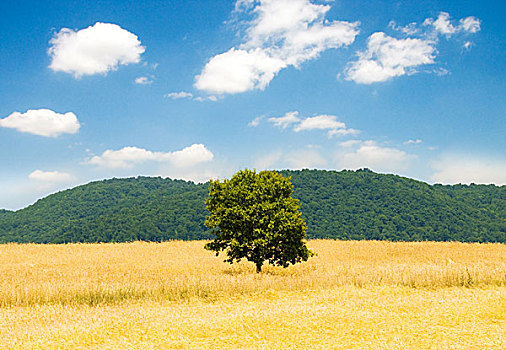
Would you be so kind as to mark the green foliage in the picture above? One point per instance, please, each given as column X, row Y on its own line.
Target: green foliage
column 116, row 210
column 255, row 217
column 342, row 205
column 365, row 205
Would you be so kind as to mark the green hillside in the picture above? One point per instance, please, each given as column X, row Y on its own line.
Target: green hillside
column 367, row 205
column 115, row 210
column 343, row 205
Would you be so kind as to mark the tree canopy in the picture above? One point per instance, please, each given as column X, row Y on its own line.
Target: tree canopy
column 254, row 216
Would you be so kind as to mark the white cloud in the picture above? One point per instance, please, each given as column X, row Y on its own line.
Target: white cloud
column 286, row 120
column 238, row 71
column 179, row 95
column 212, row 98
column 97, row 49
column 283, row 33
column 129, row 156
column 368, row 154
column 207, row 98
column 413, row 142
column 123, row 158
column 320, row 122
column 143, row 80
column 189, row 156
column 42, row 122
column 51, row 176
column 452, row 169
column 442, row 24
column 410, row 29
column 343, row 132
column 255, row 122
column 189, row 95
column 470, row 24
column 297, row 30
column 387, row 57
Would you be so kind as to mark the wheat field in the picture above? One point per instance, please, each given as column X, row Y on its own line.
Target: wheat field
column 176, row 295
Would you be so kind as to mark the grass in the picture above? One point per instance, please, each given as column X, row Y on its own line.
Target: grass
column 353, row 295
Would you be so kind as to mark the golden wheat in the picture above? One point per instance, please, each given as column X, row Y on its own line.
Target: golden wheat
column 100, row 273
column 176, row 295
column 380, row 317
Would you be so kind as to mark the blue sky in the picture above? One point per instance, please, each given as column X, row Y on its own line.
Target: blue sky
column 199, row 89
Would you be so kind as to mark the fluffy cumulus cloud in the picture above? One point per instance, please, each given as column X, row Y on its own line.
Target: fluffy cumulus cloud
column 387, row 57
column 51, row 176
column 453, row 169
column 189, row 156
column 42, row 122
column 282, row 33
column 324, row 122
column 238, row 71
column 97, row 49
column 129, row 156
column 368, row 154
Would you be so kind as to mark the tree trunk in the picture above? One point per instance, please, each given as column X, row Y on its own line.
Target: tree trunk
column 259, row 267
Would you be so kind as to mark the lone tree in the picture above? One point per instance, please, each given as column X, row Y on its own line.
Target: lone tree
column 255, row 217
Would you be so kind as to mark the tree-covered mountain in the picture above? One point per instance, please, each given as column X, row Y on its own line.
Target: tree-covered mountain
column 344, row 205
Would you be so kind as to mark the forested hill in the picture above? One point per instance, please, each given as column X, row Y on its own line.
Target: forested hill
column 366, row 205
column 344, row 205
column 115, row 210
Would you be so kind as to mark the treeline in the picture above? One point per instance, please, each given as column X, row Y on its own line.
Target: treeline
column 342, row 205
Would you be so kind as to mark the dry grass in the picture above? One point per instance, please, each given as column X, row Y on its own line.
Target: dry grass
column 102, row 273
column 380, row 317
column 176, row 295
